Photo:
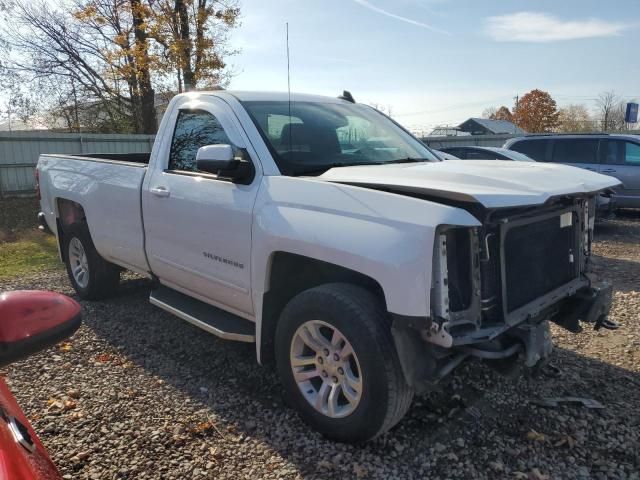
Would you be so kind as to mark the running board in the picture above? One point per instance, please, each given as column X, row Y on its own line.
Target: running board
column 207, row 317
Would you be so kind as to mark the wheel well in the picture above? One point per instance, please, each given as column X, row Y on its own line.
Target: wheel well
column 291, row 274
column 69, row 212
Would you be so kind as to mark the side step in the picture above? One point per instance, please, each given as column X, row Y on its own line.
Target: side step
column 207, row 317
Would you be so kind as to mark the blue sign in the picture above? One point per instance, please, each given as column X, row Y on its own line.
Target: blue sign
column 632, row 113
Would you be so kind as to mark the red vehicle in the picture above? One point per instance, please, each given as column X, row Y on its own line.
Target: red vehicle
column 29, row 322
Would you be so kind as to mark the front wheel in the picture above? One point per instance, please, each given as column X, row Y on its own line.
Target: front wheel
column 91, row 275
column 337, row 361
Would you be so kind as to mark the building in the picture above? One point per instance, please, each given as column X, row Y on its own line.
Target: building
column 486, row 126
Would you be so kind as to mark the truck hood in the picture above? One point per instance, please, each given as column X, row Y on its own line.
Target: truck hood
column 492, row 183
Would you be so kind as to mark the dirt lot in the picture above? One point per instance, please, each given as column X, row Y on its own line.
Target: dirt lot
column 137, row 393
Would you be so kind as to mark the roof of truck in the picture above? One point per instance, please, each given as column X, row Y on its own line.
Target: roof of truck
column 245, row 96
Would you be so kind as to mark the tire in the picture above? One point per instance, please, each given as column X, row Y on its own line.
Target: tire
column 101, row 278
column 362, row 321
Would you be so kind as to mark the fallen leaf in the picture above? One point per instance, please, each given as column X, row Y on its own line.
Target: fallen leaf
column 536, row 436
column 566, row 440
column 215, row 453
column 359, row 470
column 537, row 475
column 65, row 347
column 202, row 427
column 54, row 403
column 104, row 358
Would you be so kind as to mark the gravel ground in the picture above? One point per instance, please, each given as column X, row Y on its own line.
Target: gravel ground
column 138, row 393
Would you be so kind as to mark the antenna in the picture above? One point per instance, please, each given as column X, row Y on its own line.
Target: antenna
column 289, row 91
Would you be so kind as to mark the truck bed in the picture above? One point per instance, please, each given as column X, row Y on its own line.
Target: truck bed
column 139, row 158
column 107, row 186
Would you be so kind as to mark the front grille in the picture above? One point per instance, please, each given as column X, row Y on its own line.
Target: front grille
column 538, row 257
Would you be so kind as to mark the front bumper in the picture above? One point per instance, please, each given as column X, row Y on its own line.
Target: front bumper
column 590, row 305
column 530, row 338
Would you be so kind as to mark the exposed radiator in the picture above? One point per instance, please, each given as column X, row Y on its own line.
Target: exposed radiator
column 539, row 257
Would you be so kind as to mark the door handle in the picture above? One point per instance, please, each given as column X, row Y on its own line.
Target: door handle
column 160, row 191
column 590, row 169
column 608, row 170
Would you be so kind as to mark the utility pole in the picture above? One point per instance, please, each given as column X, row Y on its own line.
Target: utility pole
column 517, row 99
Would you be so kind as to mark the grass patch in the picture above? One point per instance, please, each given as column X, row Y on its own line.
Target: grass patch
column 30, row 253
column 23, row 248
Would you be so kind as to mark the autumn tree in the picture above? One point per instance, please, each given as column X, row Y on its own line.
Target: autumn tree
column 503, row 113
column 106, row 59
column 119, row 28
column 536, row 112
column 192, row 38
column 575, row 118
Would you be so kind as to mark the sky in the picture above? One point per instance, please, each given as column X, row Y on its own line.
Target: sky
column 439, row 62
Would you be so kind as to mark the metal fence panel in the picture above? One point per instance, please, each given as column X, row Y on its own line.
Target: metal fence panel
column 19, row 152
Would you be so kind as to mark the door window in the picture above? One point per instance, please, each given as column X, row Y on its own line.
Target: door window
column 575, row 150
column 194, row 129
column 632, row 153
column 536, row 149
column 613, row 153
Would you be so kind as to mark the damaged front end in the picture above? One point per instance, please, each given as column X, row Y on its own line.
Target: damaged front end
column 495, row 287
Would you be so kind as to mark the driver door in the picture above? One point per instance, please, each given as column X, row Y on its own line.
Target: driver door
column 198, row 226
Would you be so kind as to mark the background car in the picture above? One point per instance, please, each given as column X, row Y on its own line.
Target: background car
column 29, row 322
column 610, row 154
column 444, row 155
column 486, row 153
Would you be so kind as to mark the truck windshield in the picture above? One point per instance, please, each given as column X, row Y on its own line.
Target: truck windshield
column 314, row 137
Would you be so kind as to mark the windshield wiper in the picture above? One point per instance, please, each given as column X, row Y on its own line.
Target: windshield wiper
column 407, row 160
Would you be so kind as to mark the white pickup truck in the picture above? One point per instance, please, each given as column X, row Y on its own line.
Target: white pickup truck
column 321, row 230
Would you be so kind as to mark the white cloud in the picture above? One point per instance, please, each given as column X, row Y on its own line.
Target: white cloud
column 541, row 27
column 381, row 11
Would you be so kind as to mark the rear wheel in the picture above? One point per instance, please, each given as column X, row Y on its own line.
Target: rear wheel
column 91, row 275
column 338, row 363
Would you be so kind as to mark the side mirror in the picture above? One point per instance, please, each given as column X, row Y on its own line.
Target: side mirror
column 221, row 161
column 213, row 158
column 32, row 320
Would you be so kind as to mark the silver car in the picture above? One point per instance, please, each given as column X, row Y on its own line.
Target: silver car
column 616, row 155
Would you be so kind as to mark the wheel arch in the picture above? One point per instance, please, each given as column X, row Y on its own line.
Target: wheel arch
column 290, row 274
column 67, row 213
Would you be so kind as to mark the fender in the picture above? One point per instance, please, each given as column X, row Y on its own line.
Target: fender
column 385, row 236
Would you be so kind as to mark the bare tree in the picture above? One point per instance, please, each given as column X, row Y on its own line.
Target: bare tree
column 108, row 57
column 575, row 118
column 489, row 112
column 48, row 45
column 610, row 111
